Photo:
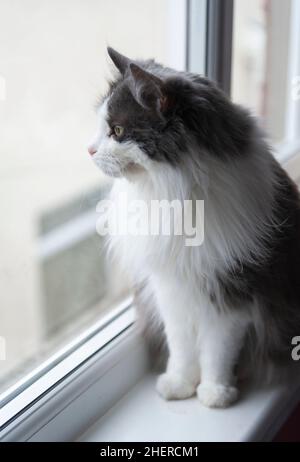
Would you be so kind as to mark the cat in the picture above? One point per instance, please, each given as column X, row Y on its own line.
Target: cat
column 233, row 302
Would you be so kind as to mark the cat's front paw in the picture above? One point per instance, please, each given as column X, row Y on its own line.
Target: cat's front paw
column 216, row 395
column 173, row 386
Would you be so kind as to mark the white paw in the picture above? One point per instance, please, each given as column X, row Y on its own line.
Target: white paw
column 172, row 386
column 215, row 395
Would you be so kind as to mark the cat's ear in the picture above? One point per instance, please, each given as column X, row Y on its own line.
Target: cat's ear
column 147, row 89
column 120, row 61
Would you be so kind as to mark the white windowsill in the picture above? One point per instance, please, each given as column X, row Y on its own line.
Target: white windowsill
column 141, row 415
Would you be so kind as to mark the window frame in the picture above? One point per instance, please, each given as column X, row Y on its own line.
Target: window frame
column 219, row 42
column 65, row 361
column 210, row 23
column 93, row 365
column 88, row 391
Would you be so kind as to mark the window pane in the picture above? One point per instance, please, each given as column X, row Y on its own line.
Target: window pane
column 54, row 279
column 196, row 35
column 261, row 61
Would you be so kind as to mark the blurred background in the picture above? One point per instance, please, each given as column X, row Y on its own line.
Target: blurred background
column 54, row 278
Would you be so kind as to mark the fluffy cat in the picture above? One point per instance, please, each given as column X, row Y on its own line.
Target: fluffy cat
column 235, row 299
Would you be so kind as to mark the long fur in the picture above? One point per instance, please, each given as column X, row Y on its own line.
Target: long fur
column 236, row 298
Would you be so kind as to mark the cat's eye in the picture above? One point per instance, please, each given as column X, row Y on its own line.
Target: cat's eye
column 118, row 130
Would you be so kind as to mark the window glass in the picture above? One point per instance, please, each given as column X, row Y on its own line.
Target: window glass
column 262, row 59
column 54, row 279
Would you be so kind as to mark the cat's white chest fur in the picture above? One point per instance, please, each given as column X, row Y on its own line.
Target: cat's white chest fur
column 141, row 247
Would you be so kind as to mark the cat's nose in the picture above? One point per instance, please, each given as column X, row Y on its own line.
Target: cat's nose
column 92, row 150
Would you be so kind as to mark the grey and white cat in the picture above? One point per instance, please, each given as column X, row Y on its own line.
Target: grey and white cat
column 164, row 134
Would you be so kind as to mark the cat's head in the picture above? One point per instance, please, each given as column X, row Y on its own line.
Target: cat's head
column 155, row 116
column 137, row 125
